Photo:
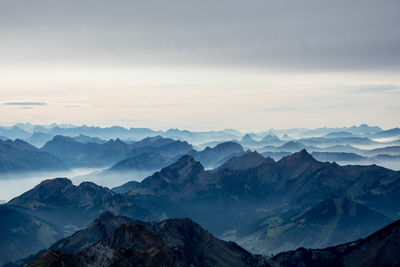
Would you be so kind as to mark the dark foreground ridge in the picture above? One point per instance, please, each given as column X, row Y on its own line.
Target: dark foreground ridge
column 173, row 242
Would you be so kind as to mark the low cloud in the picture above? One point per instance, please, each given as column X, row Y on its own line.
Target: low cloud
column 25, row 103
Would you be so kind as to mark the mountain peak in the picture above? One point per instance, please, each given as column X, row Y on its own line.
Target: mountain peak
column 185, row 160
column 186, row 165
column 116, row 142
column 43, row 191
column 303, row 154
column 179, row 180
column 297, row 158
column 247, row 138
column 227, row 145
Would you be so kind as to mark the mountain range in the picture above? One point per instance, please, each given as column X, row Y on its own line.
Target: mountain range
column 273, row 202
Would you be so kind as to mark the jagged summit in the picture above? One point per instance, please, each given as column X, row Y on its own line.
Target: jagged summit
column 299, row 157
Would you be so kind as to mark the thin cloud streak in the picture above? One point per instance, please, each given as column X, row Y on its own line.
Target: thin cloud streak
column 25, row 103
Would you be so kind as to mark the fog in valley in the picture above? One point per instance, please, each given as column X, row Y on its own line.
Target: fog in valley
column 16, row 184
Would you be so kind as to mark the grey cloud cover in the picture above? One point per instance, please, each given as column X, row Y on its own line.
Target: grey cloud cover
column 303, row 34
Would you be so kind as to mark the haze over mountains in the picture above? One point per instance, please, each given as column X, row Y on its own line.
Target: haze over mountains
column 267, row 192
column 85, row 146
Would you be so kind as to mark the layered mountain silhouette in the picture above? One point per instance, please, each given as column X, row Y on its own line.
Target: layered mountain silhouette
column 395, row 132
column 20, row 156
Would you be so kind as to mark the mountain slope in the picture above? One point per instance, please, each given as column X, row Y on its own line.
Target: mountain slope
column 330, row 222
column 379, row 249
column 21, row 234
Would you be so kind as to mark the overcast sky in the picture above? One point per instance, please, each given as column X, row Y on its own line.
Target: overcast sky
column 200, row 65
